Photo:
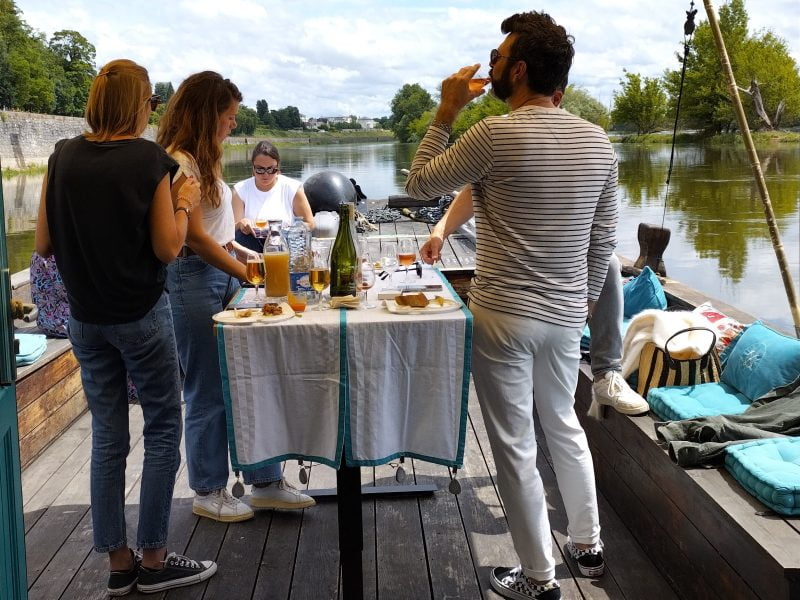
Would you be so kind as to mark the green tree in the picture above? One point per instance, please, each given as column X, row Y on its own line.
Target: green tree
column 264, row 114
column 75, row 58
column 246, row 121
column 408, row 104
column 383, row 123
column 287, row 118
column 580, row 103
column 27, row 78
column 164, row 90
column 642, row 104
column 762, row 57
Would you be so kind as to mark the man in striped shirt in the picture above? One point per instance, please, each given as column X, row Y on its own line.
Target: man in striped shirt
column 543, row 191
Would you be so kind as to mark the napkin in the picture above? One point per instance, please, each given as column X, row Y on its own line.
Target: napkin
column 345, row 301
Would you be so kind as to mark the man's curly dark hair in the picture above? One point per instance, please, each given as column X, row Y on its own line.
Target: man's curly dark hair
column 545, row 47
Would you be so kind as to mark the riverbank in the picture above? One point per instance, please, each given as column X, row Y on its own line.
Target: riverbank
column 761, row 138
column 297, row 137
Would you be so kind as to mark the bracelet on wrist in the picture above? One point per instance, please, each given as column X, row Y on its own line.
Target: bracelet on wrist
column 185, row 209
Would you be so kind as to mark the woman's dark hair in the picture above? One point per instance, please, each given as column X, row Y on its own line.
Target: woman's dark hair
column 190, row 125
column 545, row 47
column 266, row 148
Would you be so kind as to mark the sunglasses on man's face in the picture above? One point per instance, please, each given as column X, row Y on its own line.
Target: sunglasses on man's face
column 495, row 55
column 155, row 100
column 266, row 170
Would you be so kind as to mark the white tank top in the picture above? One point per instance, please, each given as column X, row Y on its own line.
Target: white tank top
column 217, row 221
column 273, row 205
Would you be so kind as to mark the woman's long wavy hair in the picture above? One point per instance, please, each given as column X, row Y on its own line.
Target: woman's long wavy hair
column 190, row 125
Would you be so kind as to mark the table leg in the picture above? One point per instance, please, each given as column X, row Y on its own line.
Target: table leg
column 351, row 532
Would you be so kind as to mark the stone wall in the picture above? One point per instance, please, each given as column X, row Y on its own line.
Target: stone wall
column 27, row 139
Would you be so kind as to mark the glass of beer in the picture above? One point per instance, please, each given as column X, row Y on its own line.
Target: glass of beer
column 320, row 272
column 255, row 270
column 406, row 255
column 261, row 224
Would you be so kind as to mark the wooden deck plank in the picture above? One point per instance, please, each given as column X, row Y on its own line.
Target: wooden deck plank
column 53, row 471
column 316, row 573
column 400, row 550
column 451, row 571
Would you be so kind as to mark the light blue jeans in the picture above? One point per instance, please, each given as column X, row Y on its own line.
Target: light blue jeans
column 145, row 349
column 197, row 291
column 605, row 351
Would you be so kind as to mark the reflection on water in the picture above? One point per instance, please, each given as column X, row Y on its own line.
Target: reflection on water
column 720, row 242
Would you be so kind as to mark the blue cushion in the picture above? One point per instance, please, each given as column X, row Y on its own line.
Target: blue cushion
column 691, row 401
column 770, row 470
column 31, row 347
column 642, row 292
column 723, row 356
column 761, row 361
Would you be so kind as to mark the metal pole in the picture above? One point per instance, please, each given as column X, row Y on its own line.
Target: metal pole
column 738, row 109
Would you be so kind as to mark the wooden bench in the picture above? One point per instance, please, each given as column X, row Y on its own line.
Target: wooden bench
column 708, row 536
column 49, row 392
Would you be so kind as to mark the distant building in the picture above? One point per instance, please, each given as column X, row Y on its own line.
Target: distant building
column 366, row 123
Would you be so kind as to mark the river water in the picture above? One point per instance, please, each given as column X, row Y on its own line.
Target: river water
column 720, row 243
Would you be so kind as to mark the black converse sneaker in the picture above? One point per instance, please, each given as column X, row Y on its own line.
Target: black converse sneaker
column 590, row 561
column 177, row 572
column 513, row 583
column 121, row 583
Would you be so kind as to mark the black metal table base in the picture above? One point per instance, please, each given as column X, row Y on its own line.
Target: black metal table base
column 348, row 495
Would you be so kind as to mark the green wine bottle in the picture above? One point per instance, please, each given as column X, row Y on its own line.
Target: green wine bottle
column 344, row 261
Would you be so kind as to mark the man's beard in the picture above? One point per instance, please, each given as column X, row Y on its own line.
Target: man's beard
column 501, row 88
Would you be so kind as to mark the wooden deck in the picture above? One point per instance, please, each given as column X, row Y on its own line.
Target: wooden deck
column 439, row 546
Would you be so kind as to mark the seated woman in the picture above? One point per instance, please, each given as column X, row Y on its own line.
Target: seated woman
column 267, row 196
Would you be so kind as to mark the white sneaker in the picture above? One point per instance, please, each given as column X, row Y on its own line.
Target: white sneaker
column 221, row 506
column 612, row 390
column 279, row 494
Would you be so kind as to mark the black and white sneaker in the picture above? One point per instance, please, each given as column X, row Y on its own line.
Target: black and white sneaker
column 513, row 583
column 121, row 583
column 178, row 571
column 590, row 561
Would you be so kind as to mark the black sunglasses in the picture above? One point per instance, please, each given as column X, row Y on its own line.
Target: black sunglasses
column 267, row 170
column 495, row 55
column 155, row 100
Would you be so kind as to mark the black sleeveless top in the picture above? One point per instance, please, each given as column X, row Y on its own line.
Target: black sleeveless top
column 98, row 204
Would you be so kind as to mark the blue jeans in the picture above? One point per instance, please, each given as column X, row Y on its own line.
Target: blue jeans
column 197, row 291
column 605, row 324
column 145, row 349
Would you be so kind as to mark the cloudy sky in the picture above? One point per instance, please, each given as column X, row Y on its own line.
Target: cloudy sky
column 351, row 56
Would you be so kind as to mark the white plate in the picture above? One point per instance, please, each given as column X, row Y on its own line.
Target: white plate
column 431, row 309
column 228, row 317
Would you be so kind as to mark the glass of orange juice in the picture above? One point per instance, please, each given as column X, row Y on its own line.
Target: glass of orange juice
column 298, row 300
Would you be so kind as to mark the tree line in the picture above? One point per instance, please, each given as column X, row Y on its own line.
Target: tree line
column 760, row 61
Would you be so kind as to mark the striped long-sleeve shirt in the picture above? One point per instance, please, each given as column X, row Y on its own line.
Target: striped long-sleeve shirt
column 544, row 189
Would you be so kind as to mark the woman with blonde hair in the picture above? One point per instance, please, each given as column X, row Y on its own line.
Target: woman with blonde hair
column 201, row 282
column 108, row 215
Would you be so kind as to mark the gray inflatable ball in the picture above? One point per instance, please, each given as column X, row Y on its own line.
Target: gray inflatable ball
column 326, row 190
column 326, row 224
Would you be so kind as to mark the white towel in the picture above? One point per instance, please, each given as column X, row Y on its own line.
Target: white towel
column 657, row 326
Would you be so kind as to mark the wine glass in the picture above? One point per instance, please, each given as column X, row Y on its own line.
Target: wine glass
column 365, row 280
column 389, row 257
column 256, row 272
column 260, row 226
column 406, row 254
column 320, row 272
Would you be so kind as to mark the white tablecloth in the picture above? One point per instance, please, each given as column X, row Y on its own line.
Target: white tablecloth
column 369, row 383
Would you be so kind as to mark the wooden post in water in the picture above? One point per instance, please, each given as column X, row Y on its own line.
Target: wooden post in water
column 738, row 109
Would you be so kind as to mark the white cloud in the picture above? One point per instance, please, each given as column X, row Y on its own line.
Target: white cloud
column 351, row 56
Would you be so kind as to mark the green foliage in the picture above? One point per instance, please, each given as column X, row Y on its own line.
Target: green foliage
column 164, row 89
column 246, row 121
column 762, row 57
column 408, row 104
column 287, row 118
column 642, row 104
column 476, row 110
column 41, row 76
column 75, row 56
column 580, row 103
